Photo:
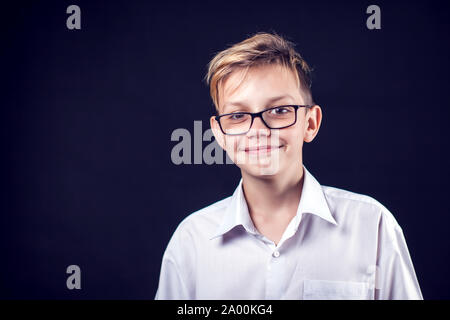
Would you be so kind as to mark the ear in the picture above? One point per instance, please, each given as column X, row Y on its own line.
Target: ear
column 218, row 134
column 313, row 119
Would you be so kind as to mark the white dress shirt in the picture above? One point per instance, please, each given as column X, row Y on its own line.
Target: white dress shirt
column 340, row 245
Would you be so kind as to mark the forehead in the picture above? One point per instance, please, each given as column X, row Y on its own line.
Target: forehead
column 257, row 85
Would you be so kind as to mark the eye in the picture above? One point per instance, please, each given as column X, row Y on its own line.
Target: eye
column 236, row 116
column 280, row 110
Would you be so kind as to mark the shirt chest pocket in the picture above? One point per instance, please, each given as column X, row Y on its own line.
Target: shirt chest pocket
column 335, row 290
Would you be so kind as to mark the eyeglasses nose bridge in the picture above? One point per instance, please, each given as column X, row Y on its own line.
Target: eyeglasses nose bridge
column 259, row 115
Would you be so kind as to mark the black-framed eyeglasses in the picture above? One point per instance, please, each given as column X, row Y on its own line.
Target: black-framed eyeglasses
column 279, row 117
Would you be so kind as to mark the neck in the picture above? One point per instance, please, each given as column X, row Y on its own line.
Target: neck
column 276, row 194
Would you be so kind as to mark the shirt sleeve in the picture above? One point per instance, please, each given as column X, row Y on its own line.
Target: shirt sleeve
column 177, row 279
column 395, row 276
column 171, row 284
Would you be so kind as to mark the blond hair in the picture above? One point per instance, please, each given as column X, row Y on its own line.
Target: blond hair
column 261, row 48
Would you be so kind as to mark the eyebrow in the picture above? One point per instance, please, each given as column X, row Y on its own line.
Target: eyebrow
column 269, row 102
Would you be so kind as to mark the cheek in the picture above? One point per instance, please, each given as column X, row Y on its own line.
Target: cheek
column 232, row 144
column 294, row 140
column 233, row 148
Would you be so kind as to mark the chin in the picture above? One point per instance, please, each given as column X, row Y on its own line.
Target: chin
column 264, row 165
column 267, row 169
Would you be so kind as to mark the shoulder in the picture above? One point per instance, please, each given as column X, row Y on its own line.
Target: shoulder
column 207, row 216
column 198, row 225
column 356, row 206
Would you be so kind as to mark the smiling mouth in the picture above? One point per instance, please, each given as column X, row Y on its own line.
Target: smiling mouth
column 261, row 149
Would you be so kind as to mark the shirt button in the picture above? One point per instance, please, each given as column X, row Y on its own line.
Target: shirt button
column 276, row 253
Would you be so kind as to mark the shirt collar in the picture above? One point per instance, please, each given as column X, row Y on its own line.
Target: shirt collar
column 312, row 201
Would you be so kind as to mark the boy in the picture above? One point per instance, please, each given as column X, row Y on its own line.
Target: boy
column 281, row 235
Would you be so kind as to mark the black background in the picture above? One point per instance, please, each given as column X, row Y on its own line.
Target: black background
column 87, row 117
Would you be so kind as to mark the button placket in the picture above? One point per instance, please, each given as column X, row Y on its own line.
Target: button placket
column 274, row 280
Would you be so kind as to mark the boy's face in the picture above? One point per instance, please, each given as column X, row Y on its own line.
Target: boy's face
column 264, row 87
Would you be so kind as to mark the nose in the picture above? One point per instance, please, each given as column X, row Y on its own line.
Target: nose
column 258, row 128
